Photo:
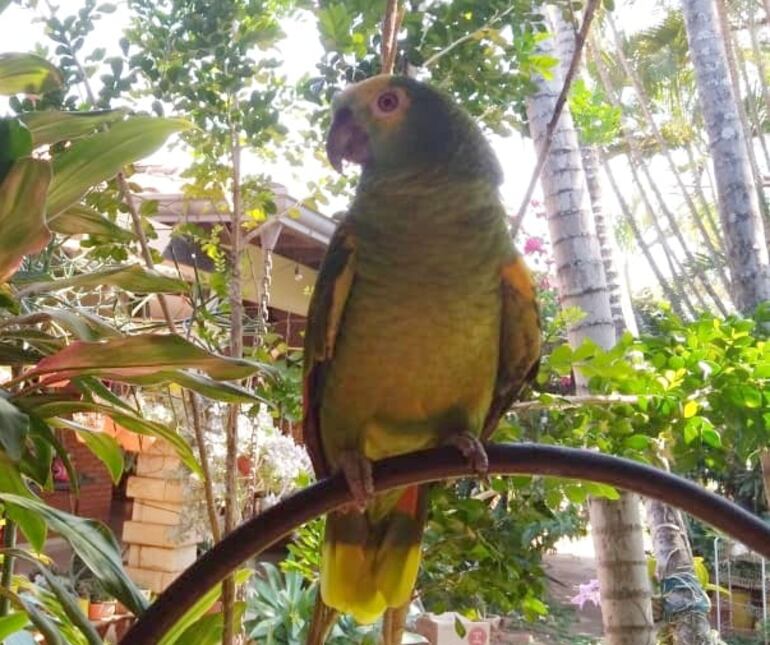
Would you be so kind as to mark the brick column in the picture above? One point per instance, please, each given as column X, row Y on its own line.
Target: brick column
column 157, row 552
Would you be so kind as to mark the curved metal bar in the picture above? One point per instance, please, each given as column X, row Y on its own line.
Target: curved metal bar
column 256, row 535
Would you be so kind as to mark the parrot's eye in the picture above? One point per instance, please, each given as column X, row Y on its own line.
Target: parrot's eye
column 387, row 101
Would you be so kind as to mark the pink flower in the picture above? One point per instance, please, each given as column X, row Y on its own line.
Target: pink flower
column 588, row 592
column 534, row 245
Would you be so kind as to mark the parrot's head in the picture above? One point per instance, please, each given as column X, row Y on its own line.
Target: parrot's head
column 395, row 124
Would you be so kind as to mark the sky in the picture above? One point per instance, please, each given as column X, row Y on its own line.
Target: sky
column 299, row 51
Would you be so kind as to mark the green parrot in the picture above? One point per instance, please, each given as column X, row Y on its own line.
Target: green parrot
column 422, row 330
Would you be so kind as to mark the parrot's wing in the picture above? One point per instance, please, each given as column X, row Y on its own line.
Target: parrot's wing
column 324, row 315
column 519, row 340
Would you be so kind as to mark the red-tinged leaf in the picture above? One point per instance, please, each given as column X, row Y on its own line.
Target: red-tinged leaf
column 81, row 220
column 22, row 213
column 139, row 355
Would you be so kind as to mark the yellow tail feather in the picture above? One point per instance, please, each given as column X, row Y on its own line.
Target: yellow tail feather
column 368, row 566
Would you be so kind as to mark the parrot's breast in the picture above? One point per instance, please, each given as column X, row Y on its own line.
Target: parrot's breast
column 417, row 352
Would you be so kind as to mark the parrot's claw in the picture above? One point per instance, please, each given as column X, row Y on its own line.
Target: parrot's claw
column 358, row 474
column 473, row 450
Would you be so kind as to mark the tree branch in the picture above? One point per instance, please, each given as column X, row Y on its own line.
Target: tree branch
column 254, row 536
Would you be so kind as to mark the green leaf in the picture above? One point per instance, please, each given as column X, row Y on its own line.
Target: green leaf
column 30, row 524
column 134, row 278
column 104, row 447
column 143, row 354
column 460, row 628
column 12, row 623
column 637, row 442
column 219, row 391
column 22, row 213
column 14, row 426
column 208, row 629
column 27, row 74
column 101, row 156
column 83, row 324
column 65, row 598
column 15, row 143
column 81, row 220
column 125, row 419
column 198, row 610
column 51, row 126
column 712, row 437
column 94, row 544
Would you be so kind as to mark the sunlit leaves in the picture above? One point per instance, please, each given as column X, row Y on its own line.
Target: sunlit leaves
column 28, row 74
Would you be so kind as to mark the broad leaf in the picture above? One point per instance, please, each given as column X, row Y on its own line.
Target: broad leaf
column 198, row 610
column 83, row 324
column 100, row 157
column 81, row 220
column 139, row 355
column 15, row 143
column 65, row 598
column 132, row 278
column 31, row 524
column 208, row 629
column 127, row 420
column 52, row 126
column 219, row 391
column 105, row 447
column 22, row 213
column 95, row 545
column 14, row 426
column 27, row 74
column 11, row 624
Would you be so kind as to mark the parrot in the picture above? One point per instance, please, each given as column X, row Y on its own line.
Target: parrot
column 422, row 329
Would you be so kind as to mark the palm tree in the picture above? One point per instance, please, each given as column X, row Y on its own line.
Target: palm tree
column 738, row 203
column 622, row 571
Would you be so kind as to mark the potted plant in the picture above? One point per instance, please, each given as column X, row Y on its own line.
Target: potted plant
column 102, row 604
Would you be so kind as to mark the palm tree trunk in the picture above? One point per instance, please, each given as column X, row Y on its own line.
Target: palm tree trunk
column 740, row 60
column 625, row 209
column 738, row 203
column 664, row 149
column 759, row 61
column 581, row 282
column 624, row 585
column 620, row 300
column 638, row 160
column 683, row 597
column 732, row 66
column 705, row 204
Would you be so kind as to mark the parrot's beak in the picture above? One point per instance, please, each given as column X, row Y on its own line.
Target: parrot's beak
column 346, row 141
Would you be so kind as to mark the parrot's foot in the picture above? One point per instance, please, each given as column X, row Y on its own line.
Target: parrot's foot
column 473, row 450
column 358, row 474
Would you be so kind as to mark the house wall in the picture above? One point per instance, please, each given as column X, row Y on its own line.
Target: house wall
column 95, row 496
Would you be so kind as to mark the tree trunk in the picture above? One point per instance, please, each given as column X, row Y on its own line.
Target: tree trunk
column 624, row 584
column 738, row 202
column 664, row 149
column 637, row 161
column 684, row 603
column 628, row 215
column 582, row 284
column 232, row 510
column 729, row 40
column 620, row 300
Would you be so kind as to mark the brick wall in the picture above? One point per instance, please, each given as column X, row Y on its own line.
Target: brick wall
column 95, row 484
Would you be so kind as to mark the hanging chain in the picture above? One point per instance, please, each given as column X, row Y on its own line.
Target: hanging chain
column 264, row 296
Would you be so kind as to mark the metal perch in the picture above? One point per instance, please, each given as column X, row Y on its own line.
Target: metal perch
column 257, row 534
